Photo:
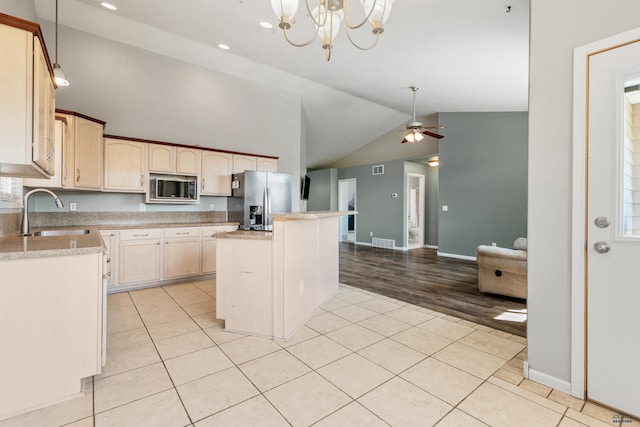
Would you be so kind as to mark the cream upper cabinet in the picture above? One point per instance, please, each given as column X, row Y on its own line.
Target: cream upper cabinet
column 162, row 158
column 243, row 162
column 216, row 173
column 44, row 113
column 124, row 165
column 265, row 164
column 88, row 154
column 60, row 176
column 187, row 161
column 26, row 101
column 172, row 159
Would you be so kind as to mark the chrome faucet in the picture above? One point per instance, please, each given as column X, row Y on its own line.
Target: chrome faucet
column 25, row 215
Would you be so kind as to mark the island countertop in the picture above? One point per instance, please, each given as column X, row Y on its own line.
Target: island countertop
column 309, row 215
column 246, row 235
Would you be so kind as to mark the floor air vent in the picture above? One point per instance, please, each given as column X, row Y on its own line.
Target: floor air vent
column 383, row 243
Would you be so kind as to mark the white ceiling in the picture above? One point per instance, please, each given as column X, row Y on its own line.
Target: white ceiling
column 465, row 55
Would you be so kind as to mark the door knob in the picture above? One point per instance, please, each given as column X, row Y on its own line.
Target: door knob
column 602, row 222
column 601, row 247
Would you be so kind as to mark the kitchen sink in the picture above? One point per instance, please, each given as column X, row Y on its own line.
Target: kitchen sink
column 72, row 232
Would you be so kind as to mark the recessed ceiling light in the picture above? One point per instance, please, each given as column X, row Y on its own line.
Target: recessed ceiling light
column 108, row 5
column 265, row 24
column 223, row 46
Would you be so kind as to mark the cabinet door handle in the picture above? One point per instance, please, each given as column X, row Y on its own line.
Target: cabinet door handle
column 141, row 235
column 203, row 184
column 185, row 232
column 142, row 180
column 77, row 174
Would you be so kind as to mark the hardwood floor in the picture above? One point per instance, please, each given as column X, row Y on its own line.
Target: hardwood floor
column 422, row 278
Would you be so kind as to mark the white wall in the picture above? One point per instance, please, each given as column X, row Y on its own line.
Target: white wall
column 20, row 8
column 556, row 29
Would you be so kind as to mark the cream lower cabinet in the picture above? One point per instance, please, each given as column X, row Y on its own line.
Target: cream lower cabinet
column 139, row 256
column 209, row 239
column 181, row 252
column 155, row 256
column 111, row 238
column 50, row 347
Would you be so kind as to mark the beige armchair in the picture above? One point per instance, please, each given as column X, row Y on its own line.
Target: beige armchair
column 503, row 271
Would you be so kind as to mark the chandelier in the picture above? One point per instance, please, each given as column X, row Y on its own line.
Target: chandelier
column 329, row 15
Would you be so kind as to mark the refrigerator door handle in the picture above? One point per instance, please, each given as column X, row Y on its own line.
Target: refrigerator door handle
column 267, row 209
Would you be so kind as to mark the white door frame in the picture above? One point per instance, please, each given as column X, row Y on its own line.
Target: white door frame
column 345, row 218
column 579, row 199
column 421, row 209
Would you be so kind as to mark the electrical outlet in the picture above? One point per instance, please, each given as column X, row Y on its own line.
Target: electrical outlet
column 371, row 234
column 143, row 207
column 493, row 244
column 445, row 208
column 72, row 206
column 212, row 207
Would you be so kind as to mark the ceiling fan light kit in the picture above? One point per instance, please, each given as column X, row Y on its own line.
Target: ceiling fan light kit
column 415, row 130
column 328, row 17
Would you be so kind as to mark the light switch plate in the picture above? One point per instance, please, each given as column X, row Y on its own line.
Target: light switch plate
column 445, row 208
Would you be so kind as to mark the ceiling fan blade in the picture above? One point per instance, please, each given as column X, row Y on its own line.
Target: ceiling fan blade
column 404, row 140
column 434, row 127
column 431, row 134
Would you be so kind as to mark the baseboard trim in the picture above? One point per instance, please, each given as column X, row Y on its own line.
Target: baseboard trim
column 548, row 380
column 431, row 246
column 468, row 258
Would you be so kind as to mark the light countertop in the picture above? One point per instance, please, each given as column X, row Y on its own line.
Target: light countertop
column 16, row 246
column 310, row 215
column 247, row 235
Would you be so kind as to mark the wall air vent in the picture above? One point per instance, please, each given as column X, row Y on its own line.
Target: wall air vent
column 378, row 170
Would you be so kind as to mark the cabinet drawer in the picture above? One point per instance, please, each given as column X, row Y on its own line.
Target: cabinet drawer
column 215, row 229
column 182, row 232
column 141, row 233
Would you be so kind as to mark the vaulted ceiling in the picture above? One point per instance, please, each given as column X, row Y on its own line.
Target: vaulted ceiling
column 465, row 55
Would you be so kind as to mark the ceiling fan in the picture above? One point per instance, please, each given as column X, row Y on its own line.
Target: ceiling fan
column 415, row 130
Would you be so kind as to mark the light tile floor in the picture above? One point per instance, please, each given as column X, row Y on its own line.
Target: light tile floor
column 362, row 360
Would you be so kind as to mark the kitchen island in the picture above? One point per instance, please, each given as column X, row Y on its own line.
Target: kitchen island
column 270, row 283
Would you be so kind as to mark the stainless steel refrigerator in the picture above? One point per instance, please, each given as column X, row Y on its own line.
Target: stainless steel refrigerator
column 254, row 195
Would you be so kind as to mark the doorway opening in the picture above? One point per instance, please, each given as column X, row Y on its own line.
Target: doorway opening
column 347, row 202
column 414, row 226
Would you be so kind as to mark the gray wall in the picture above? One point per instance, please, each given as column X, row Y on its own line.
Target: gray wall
column 378, row 212
column 483, row 180
column 323, row 194
column 556, row 29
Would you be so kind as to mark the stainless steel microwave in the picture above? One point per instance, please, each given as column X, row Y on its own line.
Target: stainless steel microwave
column 173, row 189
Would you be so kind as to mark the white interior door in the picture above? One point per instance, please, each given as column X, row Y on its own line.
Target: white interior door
column 415, row 210
column 613, row 230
